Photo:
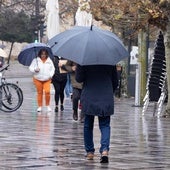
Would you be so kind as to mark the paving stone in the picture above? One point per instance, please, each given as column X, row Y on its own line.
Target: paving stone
column 33, row 141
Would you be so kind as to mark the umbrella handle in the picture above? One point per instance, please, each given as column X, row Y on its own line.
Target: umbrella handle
column 36, row 56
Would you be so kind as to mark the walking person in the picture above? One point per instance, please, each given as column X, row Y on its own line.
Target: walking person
column 97, row 98
column 77, row 88
column 59, row 81
column 42, row 68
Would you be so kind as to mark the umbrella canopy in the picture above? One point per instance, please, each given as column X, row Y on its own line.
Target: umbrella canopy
column 89, row 46
column 3, row 53
column 52, row 8
column 30, row 52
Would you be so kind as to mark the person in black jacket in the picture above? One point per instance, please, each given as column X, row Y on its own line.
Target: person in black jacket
column 59, row 81
column 97, row 98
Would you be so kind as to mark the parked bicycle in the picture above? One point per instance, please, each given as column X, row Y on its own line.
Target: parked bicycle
column 11, row 96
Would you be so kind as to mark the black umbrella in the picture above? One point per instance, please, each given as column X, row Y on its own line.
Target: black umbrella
column 30, row 52
column 89, row 46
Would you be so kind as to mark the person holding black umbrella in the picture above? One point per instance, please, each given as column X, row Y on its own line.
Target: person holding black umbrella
column 97, row 51
column 97, row 98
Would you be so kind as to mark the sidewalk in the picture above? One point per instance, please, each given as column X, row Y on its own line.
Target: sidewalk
column 17, row 70
column 32, row 141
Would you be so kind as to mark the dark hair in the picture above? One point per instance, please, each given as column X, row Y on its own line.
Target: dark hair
column 41, row 51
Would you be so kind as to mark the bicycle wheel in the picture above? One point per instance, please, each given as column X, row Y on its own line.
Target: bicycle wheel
column 11, row 97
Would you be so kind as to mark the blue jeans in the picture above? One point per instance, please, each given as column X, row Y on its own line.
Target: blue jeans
column 104, row 125
column 68, row 87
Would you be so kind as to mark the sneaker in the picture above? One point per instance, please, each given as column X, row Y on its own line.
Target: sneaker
column 39, row 109
column 104, row 157
column 48, row 109
column 90, row 156
column 56, row 109
column 61, row 107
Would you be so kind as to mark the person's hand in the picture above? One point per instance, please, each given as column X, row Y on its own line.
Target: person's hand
column 36, row 70
column 60, row 64
column 73, row 68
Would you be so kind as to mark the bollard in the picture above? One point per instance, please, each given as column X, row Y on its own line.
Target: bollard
column 0, row 90
column 137, row 85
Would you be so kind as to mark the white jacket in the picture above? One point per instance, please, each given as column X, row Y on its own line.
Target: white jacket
column 46, row 69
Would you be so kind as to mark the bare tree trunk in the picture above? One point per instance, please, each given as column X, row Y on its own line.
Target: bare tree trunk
column 142, row 60
column 167, row 54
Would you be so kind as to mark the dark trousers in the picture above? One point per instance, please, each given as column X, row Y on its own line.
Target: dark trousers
column 76, row 98
column 59, row 91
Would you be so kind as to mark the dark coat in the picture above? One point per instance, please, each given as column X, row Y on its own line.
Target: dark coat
column 99, row 84
column 59, row 77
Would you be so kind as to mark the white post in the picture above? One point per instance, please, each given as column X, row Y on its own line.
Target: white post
column 137, row 85
column 0, row 91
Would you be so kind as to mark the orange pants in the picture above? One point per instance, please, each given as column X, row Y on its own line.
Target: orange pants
column 42, row 86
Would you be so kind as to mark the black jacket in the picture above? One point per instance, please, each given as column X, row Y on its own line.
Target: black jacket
column 59, row 77
column 99, row 84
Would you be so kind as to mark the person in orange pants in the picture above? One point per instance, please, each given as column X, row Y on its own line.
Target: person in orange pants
column 43, row 69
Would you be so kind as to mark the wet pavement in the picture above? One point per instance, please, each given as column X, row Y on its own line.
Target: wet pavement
column 33, row 141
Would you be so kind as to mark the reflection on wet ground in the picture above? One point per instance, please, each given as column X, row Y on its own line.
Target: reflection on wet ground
column 54, row 141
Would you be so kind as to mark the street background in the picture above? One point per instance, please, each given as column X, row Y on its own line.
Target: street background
column 48, row 141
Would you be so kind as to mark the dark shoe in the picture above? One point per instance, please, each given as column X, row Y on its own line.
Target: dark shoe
column 62, row 108
column 104, row 157
column 75, row 115
column 56, row 109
